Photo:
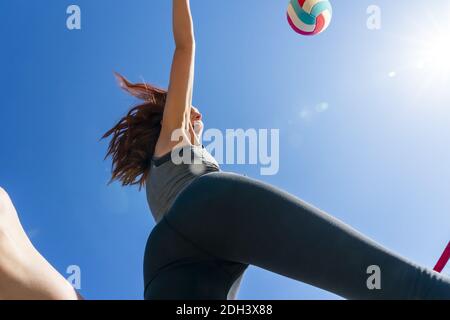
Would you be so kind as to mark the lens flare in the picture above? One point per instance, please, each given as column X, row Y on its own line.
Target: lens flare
column 435, row 54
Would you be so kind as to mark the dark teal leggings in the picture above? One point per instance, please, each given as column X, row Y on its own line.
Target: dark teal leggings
column 224, row 222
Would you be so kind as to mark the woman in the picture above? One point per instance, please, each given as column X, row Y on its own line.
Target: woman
column 211, row 225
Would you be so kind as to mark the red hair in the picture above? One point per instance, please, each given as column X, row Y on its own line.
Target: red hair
column 134, row 137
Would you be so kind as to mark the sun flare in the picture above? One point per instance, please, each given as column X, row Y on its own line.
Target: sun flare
column 435, row 54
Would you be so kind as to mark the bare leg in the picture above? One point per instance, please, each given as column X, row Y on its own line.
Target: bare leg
column 24, row 273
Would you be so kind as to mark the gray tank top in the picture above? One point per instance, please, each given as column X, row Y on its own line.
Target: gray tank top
column 169, row 175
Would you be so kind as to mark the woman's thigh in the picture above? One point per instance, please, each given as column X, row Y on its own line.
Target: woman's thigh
column 245, row 220
column 175, row 268
column 242, row 219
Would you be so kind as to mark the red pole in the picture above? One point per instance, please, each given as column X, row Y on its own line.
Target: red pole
column 443, row 260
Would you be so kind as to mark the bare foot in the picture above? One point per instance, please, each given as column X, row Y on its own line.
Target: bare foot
column 24, row 273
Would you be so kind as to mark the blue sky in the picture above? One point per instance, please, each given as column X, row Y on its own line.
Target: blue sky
column 376, row 158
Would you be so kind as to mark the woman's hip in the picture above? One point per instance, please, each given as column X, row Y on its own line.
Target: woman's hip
column 169, row 255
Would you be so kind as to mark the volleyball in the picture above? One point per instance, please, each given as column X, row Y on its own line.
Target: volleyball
column 309, row 17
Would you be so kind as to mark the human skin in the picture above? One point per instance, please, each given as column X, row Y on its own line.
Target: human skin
column 24, row 273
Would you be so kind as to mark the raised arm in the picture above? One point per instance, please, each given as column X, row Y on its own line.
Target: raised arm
column 179, row 97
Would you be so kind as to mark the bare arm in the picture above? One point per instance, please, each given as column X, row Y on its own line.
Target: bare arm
column 179, row 97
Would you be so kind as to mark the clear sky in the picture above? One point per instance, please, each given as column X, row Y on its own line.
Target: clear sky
column 375, row 153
